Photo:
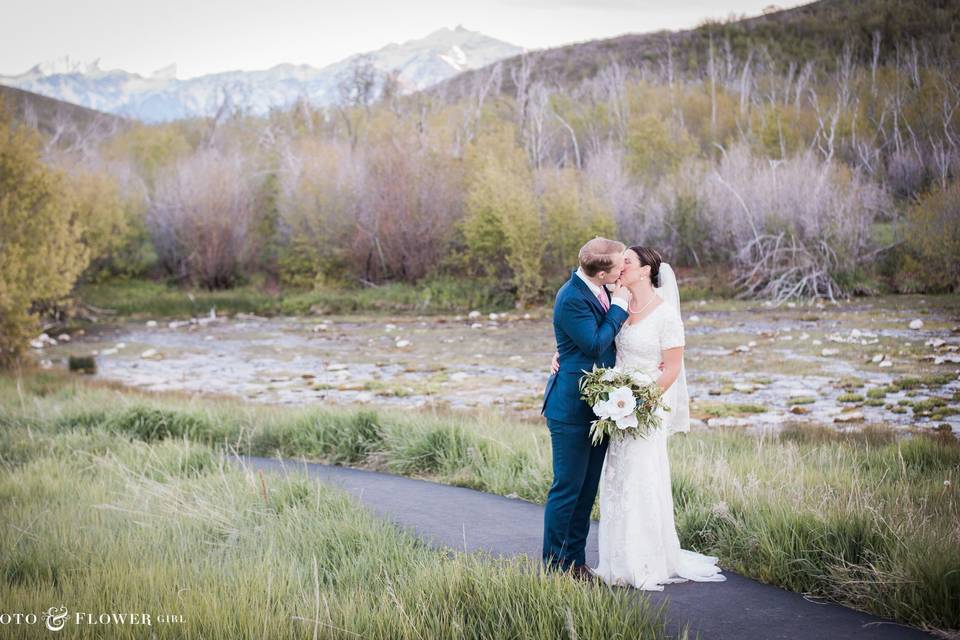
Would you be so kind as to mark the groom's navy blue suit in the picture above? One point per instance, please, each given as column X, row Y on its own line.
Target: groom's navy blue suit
column 585, row 334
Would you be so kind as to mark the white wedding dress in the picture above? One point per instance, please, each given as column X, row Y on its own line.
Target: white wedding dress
column 639, row 546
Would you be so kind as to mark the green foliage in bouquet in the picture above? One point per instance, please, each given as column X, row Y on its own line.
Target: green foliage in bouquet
column 625, row 402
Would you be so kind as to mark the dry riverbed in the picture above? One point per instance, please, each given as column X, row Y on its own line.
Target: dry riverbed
column 894, row 360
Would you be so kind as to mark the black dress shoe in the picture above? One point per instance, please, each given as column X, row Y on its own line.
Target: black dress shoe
column 582, row 572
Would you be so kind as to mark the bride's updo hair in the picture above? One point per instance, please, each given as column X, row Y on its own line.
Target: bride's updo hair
column 652, row 258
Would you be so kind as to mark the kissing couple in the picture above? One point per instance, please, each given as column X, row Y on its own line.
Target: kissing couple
column 637, row 326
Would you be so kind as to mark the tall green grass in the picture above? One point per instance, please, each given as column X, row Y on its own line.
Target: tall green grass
column 869, row 519
column 98, row 522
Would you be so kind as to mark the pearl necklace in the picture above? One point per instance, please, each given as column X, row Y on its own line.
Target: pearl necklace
column 636, row 313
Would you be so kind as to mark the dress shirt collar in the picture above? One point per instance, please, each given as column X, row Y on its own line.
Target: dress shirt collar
column 594, row 288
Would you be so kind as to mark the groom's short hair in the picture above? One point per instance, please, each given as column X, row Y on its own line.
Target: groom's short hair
column 599, row 254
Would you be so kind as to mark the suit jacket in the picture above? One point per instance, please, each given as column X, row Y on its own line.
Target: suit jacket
column 585, row 334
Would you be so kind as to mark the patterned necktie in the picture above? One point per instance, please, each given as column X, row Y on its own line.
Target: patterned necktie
column 603, row 301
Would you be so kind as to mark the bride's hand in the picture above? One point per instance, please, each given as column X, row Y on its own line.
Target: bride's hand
column 555, row 363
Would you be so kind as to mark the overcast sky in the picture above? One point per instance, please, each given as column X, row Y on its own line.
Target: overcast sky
column 206, row 36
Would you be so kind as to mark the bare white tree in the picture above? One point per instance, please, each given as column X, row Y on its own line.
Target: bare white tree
column 200, row 215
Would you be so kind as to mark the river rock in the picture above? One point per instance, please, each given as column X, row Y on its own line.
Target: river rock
column 473, row 315
column 151, row 323
column 826, row 353
column 728, row 422
column 885, row 364
column 853, row 416
column 916, row 324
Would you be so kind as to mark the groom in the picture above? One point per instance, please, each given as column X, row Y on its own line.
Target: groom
column 585, row 322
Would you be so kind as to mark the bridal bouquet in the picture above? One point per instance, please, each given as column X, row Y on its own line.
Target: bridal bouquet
column 624, row 401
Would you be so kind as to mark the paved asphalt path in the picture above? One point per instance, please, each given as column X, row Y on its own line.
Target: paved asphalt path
column 469, row 520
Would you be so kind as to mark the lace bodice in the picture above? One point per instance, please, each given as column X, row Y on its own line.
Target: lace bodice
column 639, row 345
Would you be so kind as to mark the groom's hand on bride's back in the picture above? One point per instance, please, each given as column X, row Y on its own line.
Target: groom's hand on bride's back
column 555, row 363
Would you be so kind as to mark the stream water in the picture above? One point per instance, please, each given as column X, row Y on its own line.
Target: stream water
column 747, row 364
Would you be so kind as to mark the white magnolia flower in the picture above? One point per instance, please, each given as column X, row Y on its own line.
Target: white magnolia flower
column 628, row 422
column 609, row 375
column 622, row 403
column 603, row 409
column 640, row 379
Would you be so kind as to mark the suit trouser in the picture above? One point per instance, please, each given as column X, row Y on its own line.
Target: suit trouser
column 576, row 476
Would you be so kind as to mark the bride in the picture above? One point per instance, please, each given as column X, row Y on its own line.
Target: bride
column 639, row 546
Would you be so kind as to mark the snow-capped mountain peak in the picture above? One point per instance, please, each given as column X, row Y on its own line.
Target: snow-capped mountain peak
column 168, row 72
column 417, row 64
column 455, row 57
column 64, row 65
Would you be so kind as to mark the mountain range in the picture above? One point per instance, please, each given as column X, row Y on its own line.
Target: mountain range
column 161, row 96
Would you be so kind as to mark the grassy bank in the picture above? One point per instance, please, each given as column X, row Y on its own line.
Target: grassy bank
column 98, row 522
column 146, row 298
column 866, row 519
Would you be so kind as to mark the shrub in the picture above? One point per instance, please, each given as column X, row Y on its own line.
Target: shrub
column 797, row 228
column 502, row 223
column 933, row 241
column 41, row 247
column 201, row 217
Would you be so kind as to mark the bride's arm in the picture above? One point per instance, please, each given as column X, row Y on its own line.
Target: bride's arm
column 672, row 359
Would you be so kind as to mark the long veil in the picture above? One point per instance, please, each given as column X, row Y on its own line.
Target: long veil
column 676, row 397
